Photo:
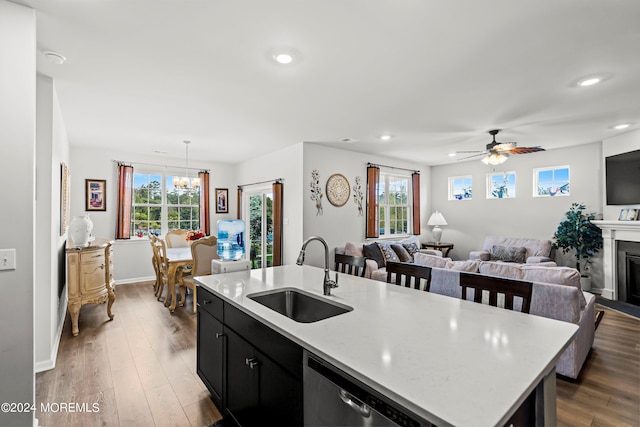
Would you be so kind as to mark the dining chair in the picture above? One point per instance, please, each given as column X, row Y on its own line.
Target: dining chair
column 177, row 239
column 203, row 251
column 508, row 288
column 402, row 273
column 353, row 265
column 160, row 255
column 154, row 262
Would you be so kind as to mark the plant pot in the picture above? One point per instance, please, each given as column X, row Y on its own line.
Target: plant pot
column 585, row 283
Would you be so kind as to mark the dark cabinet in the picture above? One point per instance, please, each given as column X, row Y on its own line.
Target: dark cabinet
column 254, row 374
column 210, row 355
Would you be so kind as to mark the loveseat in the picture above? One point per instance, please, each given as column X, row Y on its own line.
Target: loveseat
column 378, row 252
column 514, row 249
column 556, row 295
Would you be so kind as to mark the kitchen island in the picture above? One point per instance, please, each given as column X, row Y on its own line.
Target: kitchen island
column 448, row 361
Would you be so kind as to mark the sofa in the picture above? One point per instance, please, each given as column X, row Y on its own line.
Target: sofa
column 556, row 295
column 514, row 249
column 378, row 252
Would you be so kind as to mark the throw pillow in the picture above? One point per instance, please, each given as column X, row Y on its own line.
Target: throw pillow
column 372, row 251
column 352, row 249
column 509, row 253
column 402, row 253
column 388, row 253
column 412, row 248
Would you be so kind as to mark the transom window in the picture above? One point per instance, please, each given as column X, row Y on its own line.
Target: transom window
column 394, row 204
column 158, row 206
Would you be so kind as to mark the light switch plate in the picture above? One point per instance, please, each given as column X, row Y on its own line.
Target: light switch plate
column 7, row 259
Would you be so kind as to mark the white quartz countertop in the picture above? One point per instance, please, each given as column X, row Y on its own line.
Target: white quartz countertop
column 449, row 361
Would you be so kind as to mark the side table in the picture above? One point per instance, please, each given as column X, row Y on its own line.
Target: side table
column 440, row 246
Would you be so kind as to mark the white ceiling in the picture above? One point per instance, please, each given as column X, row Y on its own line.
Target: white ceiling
column 144, row 75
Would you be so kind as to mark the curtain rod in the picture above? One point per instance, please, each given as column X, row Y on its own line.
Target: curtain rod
column 393, row 167
column 164, row 166
column 278, row 180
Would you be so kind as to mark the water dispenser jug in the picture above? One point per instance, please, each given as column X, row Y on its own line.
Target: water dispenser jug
column 231, row 239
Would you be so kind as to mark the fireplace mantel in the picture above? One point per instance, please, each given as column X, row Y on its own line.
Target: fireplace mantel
column 612, row 232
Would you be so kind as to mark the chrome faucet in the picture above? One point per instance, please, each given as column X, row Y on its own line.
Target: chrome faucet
column 328, row 283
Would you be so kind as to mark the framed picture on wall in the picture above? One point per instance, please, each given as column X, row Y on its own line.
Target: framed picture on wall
column 460, row 187
column 629, row 215
column 95, row 195
column 222, row 199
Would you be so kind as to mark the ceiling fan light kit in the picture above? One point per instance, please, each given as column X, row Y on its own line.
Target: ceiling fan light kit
column 497, row 153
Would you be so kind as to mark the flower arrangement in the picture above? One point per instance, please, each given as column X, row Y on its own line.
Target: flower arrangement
column 194, row 235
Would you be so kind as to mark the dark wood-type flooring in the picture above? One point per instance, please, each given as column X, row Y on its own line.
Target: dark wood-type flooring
column 141, row 370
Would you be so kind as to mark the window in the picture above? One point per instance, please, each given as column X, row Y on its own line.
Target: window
column 501, row 185
column 460, row 187
column 551, row 181
column 394, row 204
column 158, row 206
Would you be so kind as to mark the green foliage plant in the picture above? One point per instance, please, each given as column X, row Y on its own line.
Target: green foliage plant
column 577, row 232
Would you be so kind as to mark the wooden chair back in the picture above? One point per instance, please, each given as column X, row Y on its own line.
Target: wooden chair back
column 495, row 286
column 203, row 251
column 409, row 275
column 349, row 264
column 161, row 263
column 154, row 262
column 177, row 239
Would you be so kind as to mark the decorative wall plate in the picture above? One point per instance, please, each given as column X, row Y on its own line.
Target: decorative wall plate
column 338, row 189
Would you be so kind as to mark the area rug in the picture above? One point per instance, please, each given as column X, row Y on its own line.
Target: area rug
column 623, row 307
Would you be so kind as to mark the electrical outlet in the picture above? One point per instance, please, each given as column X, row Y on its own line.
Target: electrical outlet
column 7, row 259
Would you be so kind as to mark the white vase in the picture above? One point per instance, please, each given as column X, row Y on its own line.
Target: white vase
column 80, row 230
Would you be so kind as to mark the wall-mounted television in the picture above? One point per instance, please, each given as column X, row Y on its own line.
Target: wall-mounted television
column 623, row 178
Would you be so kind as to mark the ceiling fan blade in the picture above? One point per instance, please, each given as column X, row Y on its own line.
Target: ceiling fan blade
column 472, row 156
column 470, row 152
column 524, row 150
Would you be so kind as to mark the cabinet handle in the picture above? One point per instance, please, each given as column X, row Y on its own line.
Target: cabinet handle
column 219, row 335
column 205, row 302
column 251, row 362
column 102, row 266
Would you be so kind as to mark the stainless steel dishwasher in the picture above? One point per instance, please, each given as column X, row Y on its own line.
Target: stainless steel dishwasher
column 332, row 398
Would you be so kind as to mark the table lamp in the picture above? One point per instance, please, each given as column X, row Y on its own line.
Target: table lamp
column 436, row 219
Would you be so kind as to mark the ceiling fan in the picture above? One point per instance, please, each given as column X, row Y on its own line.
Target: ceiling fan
column 498, row 152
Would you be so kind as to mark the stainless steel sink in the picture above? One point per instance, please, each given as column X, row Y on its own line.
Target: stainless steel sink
column 298, row 305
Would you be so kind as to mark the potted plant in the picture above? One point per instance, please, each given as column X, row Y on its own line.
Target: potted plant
column 576, row 232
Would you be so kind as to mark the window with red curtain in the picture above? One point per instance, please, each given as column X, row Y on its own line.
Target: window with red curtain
column 125, row 191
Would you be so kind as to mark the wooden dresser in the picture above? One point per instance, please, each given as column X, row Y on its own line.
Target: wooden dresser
column 89, row 277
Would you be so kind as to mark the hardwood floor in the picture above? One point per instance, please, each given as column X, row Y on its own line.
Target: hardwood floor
column 140, row 369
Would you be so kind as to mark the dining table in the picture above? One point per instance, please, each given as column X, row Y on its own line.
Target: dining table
column 177, row 258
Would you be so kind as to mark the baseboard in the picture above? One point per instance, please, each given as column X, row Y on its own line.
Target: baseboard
column 134, row 280
column 50, row 363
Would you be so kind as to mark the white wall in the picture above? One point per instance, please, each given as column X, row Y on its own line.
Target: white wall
column 524, row 216
column 52, row 148
column 338, row 225
column 17, row 169
column 286, row 164
column 612, row 146
column 132, row 259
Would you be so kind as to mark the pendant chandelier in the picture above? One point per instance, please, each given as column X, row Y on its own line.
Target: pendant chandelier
column 184, row 181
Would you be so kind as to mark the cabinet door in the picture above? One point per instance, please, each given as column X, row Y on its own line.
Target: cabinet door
column 210, row 355
column 92, row 272
column 280, row 394
column 242, row 381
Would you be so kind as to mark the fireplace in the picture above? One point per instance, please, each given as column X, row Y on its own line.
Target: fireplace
column 632, row 273
column 621, row 260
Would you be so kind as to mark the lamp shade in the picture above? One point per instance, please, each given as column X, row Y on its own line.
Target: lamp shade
column 436, row 218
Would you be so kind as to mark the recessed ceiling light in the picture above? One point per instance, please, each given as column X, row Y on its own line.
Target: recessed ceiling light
column 54, row 57
column 621, row 126
column 385, row 137
column 452, row 154
column 589, row 81
column 284, row 56
column 348, row 140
